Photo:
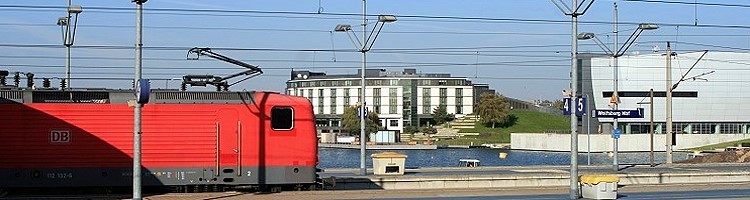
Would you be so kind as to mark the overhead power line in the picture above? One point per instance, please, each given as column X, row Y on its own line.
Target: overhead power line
column 181, row 11
column 692, row 3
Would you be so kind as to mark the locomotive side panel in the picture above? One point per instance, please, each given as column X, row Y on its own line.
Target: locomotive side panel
column 90, row 144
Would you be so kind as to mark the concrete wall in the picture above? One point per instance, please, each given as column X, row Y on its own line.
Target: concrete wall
column 627, row 142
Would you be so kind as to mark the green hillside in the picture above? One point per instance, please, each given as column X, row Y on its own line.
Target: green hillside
column 524, row 122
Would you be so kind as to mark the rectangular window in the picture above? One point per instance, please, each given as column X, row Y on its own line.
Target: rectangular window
column 393, row 122
column 459, row 100
column 443, row 96
column 376, row 99
column 282, row 118
column 376, row 92
column 320, row 101
column 393, row 107
column 442, row 82
column 393, row 92
column 426, row 92
column 394, row 82
column 333, row 101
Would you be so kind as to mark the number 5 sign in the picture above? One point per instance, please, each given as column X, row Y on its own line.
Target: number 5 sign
column 579, row 105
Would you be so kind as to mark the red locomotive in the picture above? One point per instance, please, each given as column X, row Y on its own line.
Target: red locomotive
column 53, row 138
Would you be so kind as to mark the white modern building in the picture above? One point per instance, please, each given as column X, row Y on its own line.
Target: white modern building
column 714, row 103
column 709, row 109
column 404, row 98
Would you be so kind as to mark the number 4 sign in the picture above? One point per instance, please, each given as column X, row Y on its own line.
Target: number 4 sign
column 566, row 106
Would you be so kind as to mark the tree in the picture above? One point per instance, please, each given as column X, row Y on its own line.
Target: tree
column 493, row 109
column 558, row 104
column 440, row 114
column 350, row 121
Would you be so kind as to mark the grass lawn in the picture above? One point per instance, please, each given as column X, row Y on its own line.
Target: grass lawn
column 526, row 122
column 721, row 145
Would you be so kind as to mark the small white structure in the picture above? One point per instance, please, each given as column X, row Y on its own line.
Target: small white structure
column 328, row 138
column 388, row 163
column 599, row 186
column 347, row 140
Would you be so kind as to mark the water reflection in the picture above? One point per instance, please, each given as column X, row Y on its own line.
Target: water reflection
column 349, row 158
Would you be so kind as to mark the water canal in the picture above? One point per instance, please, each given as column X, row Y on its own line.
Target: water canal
column 349, row 158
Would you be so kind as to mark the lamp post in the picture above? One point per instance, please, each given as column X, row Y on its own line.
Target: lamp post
column 615, row 55
column 68, row 36
column 364, row 46
column 576, row 9
column 137, row 194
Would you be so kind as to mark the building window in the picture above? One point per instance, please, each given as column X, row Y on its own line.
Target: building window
column 393, row 105
column 320, row 101
column 346, row 97
column 376, row 100
column 442, row 82
column 282, row 118
column 310, row 94
column 730, row 128
column 459, row 100
column 333, row 101
column 393, row 122
column 443, row 96
column 394, row 82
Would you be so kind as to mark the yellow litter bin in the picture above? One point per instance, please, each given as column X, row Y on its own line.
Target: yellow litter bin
column 599, row 186
column 388, row 163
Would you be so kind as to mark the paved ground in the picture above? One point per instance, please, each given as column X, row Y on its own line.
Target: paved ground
column 663, row 192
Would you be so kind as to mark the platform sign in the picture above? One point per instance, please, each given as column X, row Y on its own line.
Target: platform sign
column 619, row 113
column 359, row 112
column 142, row 91
column 566, row 106
column 580, row 106
column 616, row 133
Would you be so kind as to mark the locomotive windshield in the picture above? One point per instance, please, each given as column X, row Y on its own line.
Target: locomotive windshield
column 282, row 118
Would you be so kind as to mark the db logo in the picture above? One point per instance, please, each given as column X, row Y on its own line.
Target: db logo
column 60, row 137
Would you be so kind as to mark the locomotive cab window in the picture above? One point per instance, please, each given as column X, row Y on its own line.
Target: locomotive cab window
column 282, row 118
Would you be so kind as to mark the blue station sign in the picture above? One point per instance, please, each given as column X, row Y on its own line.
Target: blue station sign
column 619, row 113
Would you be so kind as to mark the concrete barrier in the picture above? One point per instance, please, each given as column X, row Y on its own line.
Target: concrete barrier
column 528, row 180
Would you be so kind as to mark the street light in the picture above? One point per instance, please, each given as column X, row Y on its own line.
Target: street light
column 615, row 55
column 68, row 36
column 364, row 47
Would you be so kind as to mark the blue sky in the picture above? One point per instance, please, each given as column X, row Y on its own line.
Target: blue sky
column 539, row 70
